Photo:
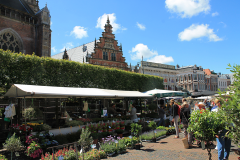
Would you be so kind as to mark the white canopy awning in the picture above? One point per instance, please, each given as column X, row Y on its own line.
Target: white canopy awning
column 165, row 93
column 35, row 91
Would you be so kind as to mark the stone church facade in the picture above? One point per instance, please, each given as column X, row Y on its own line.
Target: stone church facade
column 25, row 28
column 107, row 52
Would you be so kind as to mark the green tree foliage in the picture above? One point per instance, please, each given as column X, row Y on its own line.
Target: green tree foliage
column 34, row 70
column 231, row 107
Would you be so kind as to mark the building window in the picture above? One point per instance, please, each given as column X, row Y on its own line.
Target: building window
column 105, row 56
column 181, row 78
column 8, row 41
column 190, row 88
column 113, row 57
column 194, row 76
column 189, row 77
column 185, row 78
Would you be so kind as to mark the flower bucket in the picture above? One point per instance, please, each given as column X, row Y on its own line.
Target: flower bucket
column 100, row 131
column 123, row 128
column 110, row 130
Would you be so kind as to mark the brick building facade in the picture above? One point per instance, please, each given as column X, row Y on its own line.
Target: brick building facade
column 107, row 52
column 24, row 28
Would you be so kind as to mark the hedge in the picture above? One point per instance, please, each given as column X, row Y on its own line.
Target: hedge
column 33, row 70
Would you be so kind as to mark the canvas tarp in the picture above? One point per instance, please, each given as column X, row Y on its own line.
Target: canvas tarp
column 165, row 93
column 36, row 91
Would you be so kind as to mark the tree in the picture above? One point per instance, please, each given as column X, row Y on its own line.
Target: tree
column 205, row 126
column 231, row 107
column 85, row 139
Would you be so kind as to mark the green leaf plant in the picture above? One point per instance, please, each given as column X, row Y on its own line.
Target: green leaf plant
column 231, row 106
column 205, row 125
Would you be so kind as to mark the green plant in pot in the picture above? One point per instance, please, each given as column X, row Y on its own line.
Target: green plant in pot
column 12, row 144
column 153, row 126
column 205, row 125
column 119, row 132
column 85, row 139
column 136, row 129
column 95, row 137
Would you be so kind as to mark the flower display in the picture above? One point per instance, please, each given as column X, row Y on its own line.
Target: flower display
column 34, row 150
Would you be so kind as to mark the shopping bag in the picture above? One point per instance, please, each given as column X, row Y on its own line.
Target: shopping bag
column 185, row 143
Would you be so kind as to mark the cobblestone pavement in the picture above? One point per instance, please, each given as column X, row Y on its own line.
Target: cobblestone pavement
column 169, row 148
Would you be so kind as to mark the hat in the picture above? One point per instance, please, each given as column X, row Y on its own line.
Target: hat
column 201, row 104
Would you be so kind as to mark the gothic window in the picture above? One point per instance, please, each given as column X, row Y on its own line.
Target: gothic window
column 105, row 55
column 9, row 41
column 113, row 57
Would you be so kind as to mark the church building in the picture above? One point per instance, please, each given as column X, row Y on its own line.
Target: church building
column 25, row 28
column 104, row 52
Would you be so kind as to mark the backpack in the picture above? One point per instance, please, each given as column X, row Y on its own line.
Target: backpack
column 179, row 109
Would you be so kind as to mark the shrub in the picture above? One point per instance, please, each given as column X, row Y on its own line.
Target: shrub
column 34, row 70
column 74, row 123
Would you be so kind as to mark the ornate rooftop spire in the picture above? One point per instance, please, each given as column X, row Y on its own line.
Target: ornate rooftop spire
column 65, row 55
column 108, row 22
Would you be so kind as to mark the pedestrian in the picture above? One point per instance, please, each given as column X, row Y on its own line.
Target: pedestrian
column 175, row 116
column 223, row 142
column 185, row 116
column 134, row 113
column 161, row 113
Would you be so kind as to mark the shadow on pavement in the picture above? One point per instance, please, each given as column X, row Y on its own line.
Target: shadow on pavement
column 148, row 150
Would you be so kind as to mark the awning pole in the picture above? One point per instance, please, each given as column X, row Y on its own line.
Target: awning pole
column 25, row 112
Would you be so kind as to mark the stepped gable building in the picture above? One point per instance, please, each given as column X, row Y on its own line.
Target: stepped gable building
column 104, row 52
column 24, row 28
column 107, row 52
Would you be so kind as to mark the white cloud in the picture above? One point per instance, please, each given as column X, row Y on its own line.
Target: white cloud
column 51, row 23
column 142, row 50
column 224, row 25
column 68, row 46
column 188, row 8
column 112, row 18
column 54, row 50
column 198, row 31
column 215, row 14
column 141, row 26
column 161, row 59
column 79, row 32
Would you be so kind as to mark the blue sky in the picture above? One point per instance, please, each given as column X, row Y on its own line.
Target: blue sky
column 184, row 32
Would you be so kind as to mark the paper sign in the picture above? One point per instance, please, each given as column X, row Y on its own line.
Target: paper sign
column 155, row 131
column 109, row 127
column 93, row 146
column 130, row 137
column 60, row 158
column 116, row 141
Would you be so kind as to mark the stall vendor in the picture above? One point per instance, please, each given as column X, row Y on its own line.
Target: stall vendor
column 134, row 113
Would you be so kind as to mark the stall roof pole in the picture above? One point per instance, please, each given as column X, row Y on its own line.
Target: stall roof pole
column 25, row 112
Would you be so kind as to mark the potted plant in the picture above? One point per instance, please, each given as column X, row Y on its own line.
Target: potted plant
column 136, row 130
column 85, row 139
column 95, row 137
column 119, row 132
column 122, row 125
column 205, row 125
column 12, row 144
column 34, row 150
column 153, row 126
